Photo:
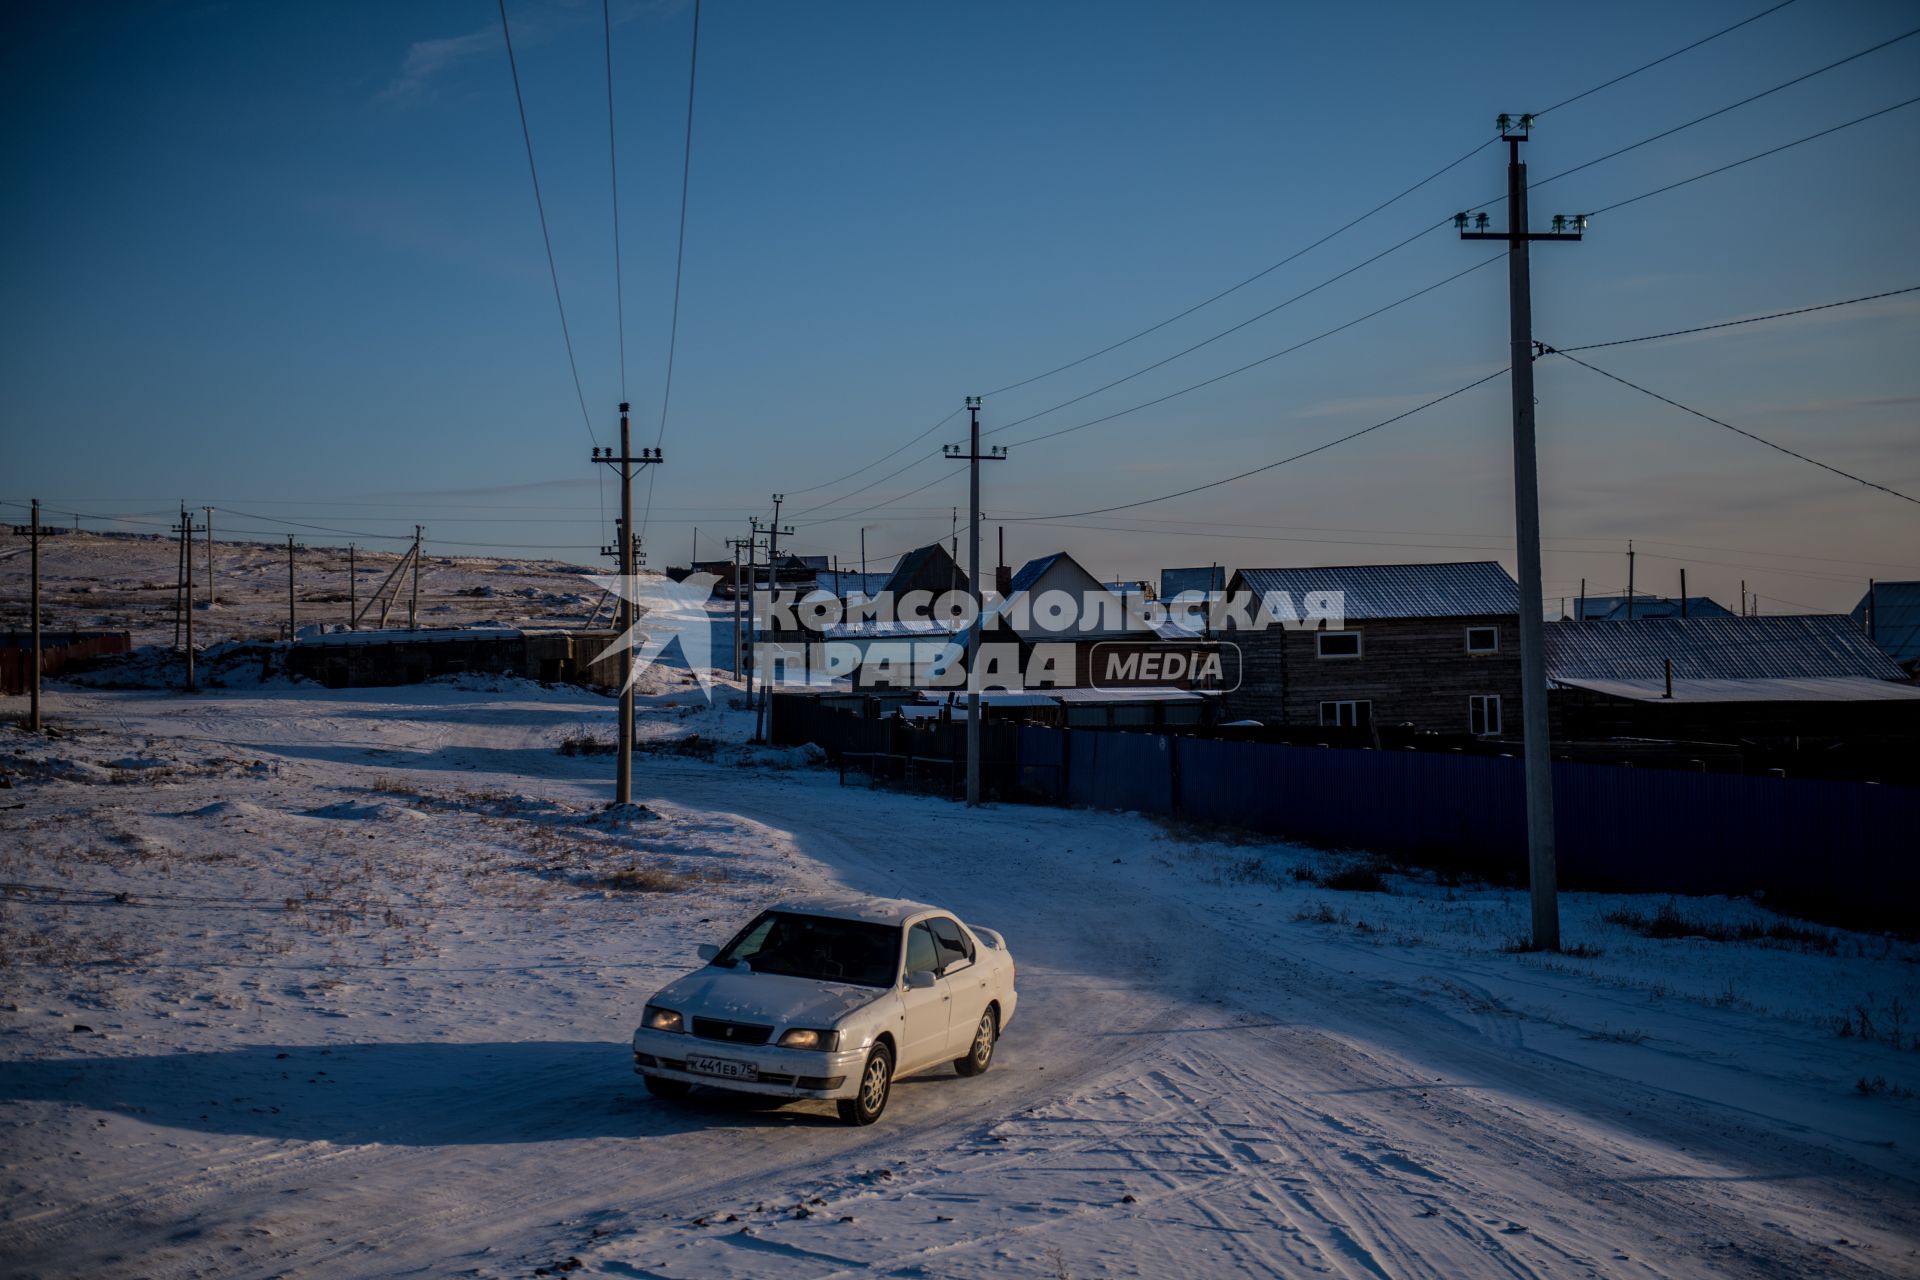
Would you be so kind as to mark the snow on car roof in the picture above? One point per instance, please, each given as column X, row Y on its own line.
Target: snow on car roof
column 857, row 907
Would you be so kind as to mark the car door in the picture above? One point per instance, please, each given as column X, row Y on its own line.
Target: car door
column 966, row 978
column 926, row 1011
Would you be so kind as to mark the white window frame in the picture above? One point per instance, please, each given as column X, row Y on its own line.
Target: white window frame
column 1319, row 646
column 1496, row 639
column 1355, row 704
column 1490, row 713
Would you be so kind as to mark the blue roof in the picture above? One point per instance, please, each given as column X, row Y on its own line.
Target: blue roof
column 1469, row 589
column 1896, row 629
column 1031, row 572
column 1614, row 608
column 1776, row 647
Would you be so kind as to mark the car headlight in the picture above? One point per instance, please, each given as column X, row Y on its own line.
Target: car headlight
column 659, row 1019
column 807, row 1038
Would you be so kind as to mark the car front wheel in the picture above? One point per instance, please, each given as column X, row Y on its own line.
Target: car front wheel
column 661, row 1087
column 876, row 1083
column 980, row 1053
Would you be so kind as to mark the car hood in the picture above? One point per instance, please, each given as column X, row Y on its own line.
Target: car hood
column 770, row 998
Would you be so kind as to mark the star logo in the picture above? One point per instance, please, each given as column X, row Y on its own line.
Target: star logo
column 668, row 611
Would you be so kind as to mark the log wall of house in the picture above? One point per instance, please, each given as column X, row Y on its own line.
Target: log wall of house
column 1413, row 670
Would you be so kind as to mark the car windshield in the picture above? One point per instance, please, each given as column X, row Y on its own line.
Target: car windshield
column 824, row 948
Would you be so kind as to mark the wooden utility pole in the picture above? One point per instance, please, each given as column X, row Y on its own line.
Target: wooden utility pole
column 974, row 458
column 353, row 580
column 33, row 677
column 627, row 465
column 212, row 599
column 290, row 613
column 186, row 585
column 1683, row 592
column 1629, row 579
column 1541, row 863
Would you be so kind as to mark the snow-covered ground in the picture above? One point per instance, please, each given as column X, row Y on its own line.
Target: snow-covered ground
column 309, row 982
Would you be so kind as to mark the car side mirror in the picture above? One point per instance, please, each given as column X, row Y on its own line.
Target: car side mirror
column 924, row 980
column 708, row 951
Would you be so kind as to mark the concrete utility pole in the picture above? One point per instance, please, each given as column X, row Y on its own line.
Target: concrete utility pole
column 33, row 675
column 179, row 577
column 773, row 583
column 1629, row 579
column 212, row 600
column 413, row 602
column 353, row 583
column 1542, row 871
column 974, row 458
column 627, row 465
column 291, row 621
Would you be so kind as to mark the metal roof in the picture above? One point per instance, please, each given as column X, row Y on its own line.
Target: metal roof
column 1466, row 589
column 1896, row 629
column 1614, row 608
column 1208, row 578
column 1031, row 571
column 1808, row 689
column 1791, row 647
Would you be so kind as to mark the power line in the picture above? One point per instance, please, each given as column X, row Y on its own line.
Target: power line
column 1785, row 84
column 1347, row 226
column 1758, row 155
column 679, row 260
column 1648, row 66
column 1730, row 324
column 1729, row 426
column 1242, row 475
column 827, row 484
column 546, row 239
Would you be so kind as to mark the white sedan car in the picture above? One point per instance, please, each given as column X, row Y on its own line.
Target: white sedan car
column 831, row 998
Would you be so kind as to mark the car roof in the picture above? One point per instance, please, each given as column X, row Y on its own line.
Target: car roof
column 894, row 911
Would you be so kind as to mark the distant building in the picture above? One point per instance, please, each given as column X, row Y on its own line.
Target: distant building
column 1890, row 615
column 928, row 568
column 1807, row 680
column 1203, row 582
column 1618, row 608
column 1434, row 646
column 362, row 659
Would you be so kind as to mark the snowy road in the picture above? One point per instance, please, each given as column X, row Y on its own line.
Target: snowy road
column 1205, row 1078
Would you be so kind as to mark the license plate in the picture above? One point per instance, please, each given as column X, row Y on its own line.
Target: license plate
column 725, row 1068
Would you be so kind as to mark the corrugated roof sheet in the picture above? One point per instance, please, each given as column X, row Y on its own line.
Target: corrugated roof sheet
column 1896, row 629
column 1466, row 589
column 1812, row 689
column 1770, row 648
column 1614, row 608
column 1031, row 571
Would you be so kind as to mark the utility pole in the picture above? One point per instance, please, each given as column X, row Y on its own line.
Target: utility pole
column 627, row 465
column 1629, row 579
column 974, row 458
column 186, row 586
column 413, row 602
column 212, row 599
column 1873, row 611
column 179, row 579
column 1542, row 871
column 1683, row 591
column 33, row 675
column 863, row 556
column 734, row 544
column 353, row 583
column 290, row 616
column 773, row 583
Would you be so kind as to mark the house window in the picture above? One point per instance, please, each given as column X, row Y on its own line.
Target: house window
column 1483, row 714
column 1346, row 715
column 1483, row 639
column 1338, row 644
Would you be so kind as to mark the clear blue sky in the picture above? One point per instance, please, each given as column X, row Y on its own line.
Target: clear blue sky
column 284, row 258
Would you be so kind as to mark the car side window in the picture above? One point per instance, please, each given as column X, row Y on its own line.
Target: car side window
column 923, row 955
column 954, row 947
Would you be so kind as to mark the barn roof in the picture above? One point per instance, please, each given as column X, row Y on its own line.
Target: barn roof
column 1466, row 589
column 1790, row 647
